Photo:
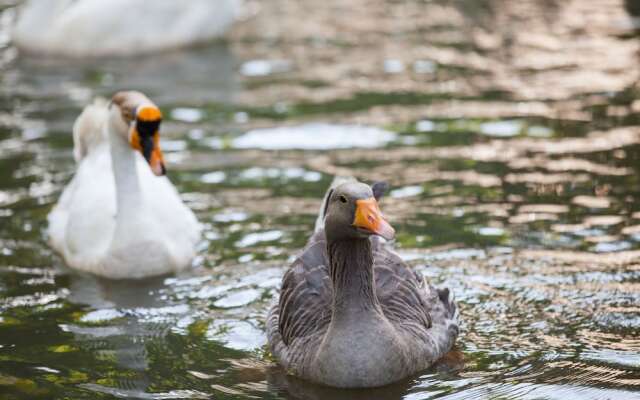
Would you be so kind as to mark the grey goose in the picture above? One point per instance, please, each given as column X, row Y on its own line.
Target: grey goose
column 351, row 312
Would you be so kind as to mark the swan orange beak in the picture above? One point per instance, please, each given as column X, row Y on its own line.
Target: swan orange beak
column 145, row 137
column 369, row 218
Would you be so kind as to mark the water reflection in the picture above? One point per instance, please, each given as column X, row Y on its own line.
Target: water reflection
column 299, row 389
column 207, row 75
column 510, row 144
column 125, row 315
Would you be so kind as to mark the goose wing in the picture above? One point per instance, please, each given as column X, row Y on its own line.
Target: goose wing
column 303, row 311
column 305, row 299
column 400, row 290
column 428, row 315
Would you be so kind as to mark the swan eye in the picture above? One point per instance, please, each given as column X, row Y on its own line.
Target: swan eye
column 343, row 199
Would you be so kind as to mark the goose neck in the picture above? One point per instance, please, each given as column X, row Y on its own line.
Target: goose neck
column 352, row 275
column 125, row 173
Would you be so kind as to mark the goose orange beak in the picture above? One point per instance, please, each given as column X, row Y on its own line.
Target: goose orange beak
column 369, row 218
column 156, row 160
column 145, row 138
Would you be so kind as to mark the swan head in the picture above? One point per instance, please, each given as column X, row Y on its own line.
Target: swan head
column 143, row 120
column 353, row 213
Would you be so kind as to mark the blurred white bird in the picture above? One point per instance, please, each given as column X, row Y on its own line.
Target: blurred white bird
column 119, row 217
column 93, row 28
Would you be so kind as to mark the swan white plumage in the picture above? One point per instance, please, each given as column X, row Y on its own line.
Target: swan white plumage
column 116, row 218
column 94, row 28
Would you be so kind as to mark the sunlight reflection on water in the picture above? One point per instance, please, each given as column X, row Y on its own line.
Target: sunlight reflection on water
column 513, row 182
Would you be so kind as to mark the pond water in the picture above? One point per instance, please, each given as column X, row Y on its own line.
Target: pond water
column 509, row 133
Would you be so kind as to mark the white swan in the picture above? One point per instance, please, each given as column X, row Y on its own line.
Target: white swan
column 116, row 218
column 81, row 28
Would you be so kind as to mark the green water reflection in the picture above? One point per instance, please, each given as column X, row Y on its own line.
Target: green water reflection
column 510, row 183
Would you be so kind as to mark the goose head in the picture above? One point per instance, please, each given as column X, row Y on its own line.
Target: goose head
column 142, row 119
column 352, row 212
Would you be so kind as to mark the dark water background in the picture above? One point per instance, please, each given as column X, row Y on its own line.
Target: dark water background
column 509, row 132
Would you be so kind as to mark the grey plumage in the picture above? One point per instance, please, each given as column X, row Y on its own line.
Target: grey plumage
column 341, row 323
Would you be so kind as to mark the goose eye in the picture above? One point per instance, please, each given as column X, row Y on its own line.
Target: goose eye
column 343, row 199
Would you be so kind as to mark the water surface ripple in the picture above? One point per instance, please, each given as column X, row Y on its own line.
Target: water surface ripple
column 508, row 131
